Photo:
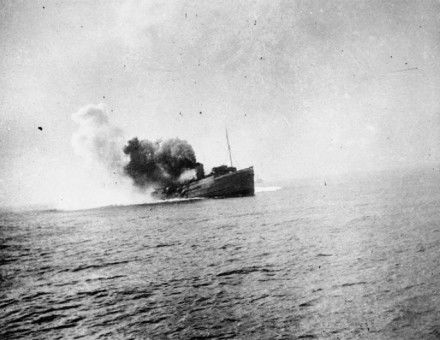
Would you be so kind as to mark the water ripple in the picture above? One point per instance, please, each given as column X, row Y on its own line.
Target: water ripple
column 358, row 262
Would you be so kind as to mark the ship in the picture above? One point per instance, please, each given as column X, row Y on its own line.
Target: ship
column 222, row 182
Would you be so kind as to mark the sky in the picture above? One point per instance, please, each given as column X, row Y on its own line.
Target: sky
column 305, row 88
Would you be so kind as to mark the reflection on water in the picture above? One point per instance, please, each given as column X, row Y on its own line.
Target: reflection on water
column 358, row 259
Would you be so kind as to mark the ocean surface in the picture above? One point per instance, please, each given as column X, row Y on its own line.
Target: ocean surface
column 352, row 258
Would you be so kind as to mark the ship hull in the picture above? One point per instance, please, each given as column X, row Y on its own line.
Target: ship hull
column 235, row 184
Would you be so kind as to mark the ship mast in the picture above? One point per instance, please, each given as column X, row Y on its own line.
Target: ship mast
column 229, row 146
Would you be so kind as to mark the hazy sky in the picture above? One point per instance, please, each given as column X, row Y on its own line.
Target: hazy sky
column 305, row 87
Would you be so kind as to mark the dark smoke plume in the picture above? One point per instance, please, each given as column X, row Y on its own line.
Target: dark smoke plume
column 158, row 163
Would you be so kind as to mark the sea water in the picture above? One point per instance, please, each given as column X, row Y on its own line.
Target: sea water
column 353, row 258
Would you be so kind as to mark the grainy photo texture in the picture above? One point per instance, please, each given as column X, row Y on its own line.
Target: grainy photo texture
column 219, row 169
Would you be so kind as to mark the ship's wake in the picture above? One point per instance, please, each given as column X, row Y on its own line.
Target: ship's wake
column 146, row 203
column 266, row 189
column 173, row 201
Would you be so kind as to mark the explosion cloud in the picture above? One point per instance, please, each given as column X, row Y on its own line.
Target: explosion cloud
column 149, row 164
column 100, row 180
column 158, row 163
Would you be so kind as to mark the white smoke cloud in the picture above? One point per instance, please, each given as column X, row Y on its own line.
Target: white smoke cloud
column 100, row 181
column 96, row 140
column 187, row 175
